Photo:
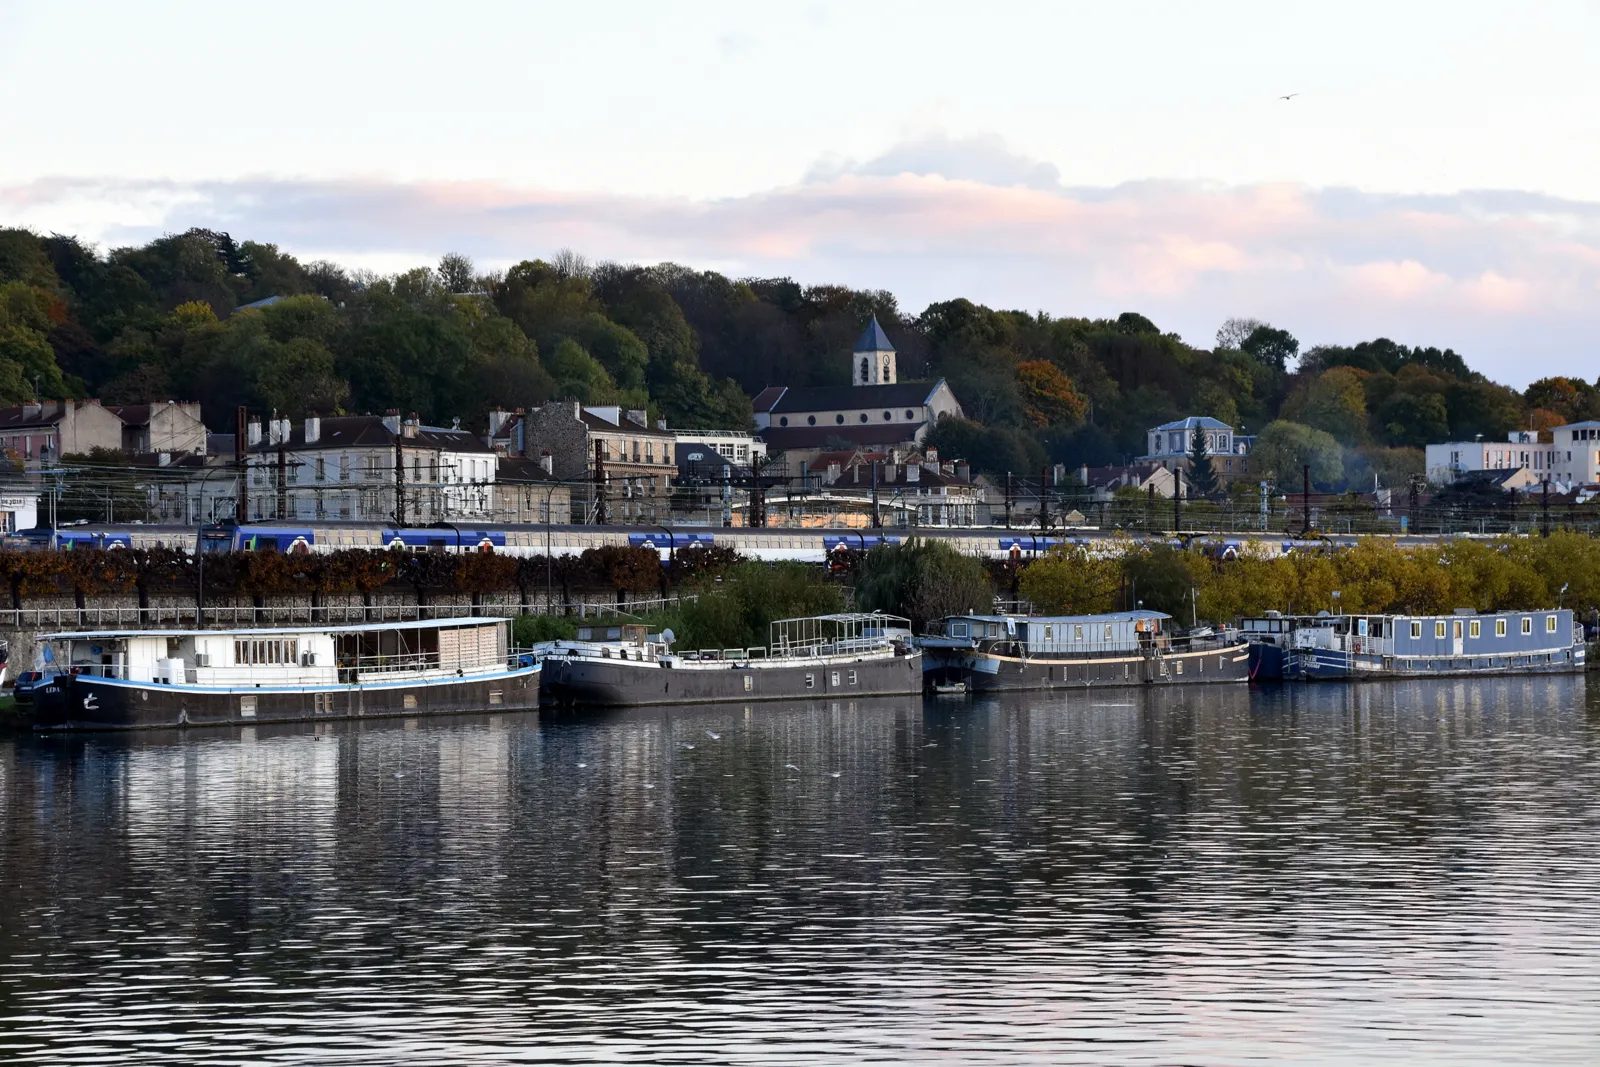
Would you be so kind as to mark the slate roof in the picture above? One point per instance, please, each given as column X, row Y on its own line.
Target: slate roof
column 368, row 431
column 513, row 469
column 1195, row 422
column 851, row 397
column 779, row 438
column 873, row 339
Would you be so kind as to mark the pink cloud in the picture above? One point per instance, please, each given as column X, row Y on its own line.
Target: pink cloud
column 1505, row 278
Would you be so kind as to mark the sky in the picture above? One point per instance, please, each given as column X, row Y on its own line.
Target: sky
column 1435, row 179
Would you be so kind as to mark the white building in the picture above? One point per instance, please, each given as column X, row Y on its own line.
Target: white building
column 19, row 509
column 1446, row 462
column 1168, row 446
column 1576, row 453
column 363, row 468
column 737, row 447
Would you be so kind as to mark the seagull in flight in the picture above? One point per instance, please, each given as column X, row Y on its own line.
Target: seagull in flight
column 1291, row 96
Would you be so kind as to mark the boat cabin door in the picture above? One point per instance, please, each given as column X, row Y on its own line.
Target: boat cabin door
column 1455, row 637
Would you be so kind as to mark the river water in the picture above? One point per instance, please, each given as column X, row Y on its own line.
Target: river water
column 1336, row 874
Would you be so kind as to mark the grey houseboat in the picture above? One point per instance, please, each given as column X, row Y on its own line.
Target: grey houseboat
column 123, row 679
column 994, row 652
column 850, row 654
column 1336, row 647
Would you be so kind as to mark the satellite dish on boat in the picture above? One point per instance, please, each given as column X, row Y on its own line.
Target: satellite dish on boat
column 667, row 637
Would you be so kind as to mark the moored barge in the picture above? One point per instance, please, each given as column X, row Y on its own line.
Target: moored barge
column 1127, row 648
column 1339, row 647
column 825, row 656
column 130, row 679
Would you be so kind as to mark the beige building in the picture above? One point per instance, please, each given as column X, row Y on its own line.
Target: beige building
column 618, row 464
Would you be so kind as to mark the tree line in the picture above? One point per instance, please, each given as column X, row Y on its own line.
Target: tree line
column 170, row 319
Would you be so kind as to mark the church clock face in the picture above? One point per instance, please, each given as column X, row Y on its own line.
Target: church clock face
column 885, row 377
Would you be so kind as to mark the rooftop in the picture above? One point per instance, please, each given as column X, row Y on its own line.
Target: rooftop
column 873, row 339
column 279, row 631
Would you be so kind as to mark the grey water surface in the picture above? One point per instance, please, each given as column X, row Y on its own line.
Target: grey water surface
column 1341, row 874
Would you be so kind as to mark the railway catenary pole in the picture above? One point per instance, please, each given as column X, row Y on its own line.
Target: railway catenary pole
column 241, row 460
column 599, row 482
column 399, row 479
column 1306, row 496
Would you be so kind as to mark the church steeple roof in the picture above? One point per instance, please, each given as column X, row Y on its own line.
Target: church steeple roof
column 873, row 339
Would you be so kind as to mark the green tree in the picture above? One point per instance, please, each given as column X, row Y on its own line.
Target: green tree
column 1283, row 449
column 1201, row 472
column 922, row 580
column 1270, row 346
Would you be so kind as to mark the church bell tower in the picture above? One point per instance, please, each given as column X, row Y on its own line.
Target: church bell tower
column 873, row 359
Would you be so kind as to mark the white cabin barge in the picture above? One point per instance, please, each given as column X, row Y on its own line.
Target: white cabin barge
column 129, row 679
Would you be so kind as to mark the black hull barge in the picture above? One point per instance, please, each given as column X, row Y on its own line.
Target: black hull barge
column 129, row 680
column 830, row 656
column 1000, row 653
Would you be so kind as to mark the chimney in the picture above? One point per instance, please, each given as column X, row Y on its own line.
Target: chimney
column 833, row 473
column 497, row 419
column 661, row 424
column 547, row 462
column 913, row 472
column 963, row 470
column 410, row 427
column 639, row 418
column 931, row 455
column 163, row 459
column 391, row 420
column 252, row 434
column 889, row 468
column 313, row 429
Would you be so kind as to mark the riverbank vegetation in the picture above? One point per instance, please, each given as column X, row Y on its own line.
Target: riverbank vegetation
column 1507, row 574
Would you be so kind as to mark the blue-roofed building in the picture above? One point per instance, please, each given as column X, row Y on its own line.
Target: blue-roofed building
column 1168, row 447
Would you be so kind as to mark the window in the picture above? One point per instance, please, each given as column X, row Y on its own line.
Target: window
column 783, row 420
column 322, row 469
column 833, row 679
column 910, row 414
column 958, row 629
column 888, row 416
column 1475, row 629
column 1499, row 627
column 749, row 682
column 1549, row 624
column 344, row 468
column 852, row 677
column 1049, row 632
column 1077, row 633
column 1438, row 629
column 374, row 468
column 839, row 419
column 863, row 416
column 1527, row 624
column 268, row 651
column 811, row 420
column 1416, row 630
column 1108, row 631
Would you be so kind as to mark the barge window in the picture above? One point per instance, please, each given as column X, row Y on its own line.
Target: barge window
column 1108, row 631
column 1438, row 629
column 852, row 677
column 1416, row 630
column 272, row 651
column 1077, row 633
column 1049, row 632
column 1527, row 624
column 1476, row 628
column 811, row 681
column 1549, row 624
column 1499, row 627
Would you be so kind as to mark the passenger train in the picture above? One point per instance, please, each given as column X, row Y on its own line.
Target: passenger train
column 769, row 543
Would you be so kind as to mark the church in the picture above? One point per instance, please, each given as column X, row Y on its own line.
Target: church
column 875, row 411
